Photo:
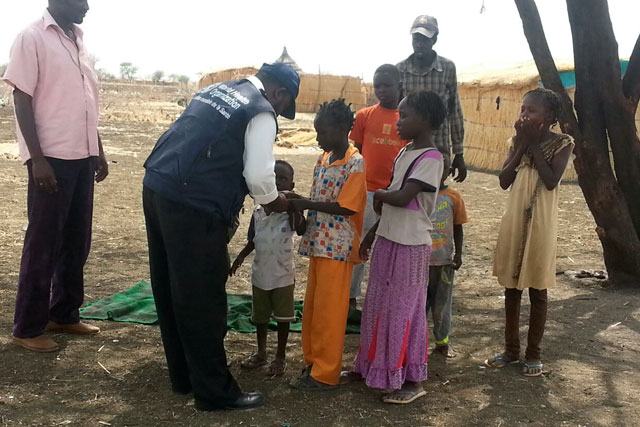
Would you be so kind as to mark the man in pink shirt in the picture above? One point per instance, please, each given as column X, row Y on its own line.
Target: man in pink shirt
column 56, row 106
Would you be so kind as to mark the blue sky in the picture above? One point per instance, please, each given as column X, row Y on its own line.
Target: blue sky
column 340, row 37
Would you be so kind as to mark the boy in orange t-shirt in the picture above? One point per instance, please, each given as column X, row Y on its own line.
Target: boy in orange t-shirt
column 375, row 134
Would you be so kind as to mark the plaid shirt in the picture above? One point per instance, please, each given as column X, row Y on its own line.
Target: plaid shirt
column 440, row 77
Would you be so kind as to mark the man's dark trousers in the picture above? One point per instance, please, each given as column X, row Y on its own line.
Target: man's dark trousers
column 189, row 266
column 56, row 247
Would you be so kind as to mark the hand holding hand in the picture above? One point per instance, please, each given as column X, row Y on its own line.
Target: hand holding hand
column 280, row 204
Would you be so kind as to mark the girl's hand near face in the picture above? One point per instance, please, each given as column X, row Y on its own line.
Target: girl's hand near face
column 528, row 132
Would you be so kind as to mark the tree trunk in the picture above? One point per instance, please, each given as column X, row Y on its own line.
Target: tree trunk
column 599, row 88
column 604, row 197
column 631, row 80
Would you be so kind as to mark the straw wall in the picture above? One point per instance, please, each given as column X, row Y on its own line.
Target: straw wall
column 225, row 75
column 314, row 88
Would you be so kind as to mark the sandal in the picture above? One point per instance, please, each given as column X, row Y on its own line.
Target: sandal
column 402, row 397
column 532, row 369
column 253, row 362
column 277, row 368
column 310, row 384
column 500, row 360
column 600, row 275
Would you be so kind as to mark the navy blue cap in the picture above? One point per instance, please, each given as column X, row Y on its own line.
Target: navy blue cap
column 289, row 79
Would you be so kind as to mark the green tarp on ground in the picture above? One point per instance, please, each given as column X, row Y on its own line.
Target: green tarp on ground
column 136, row 305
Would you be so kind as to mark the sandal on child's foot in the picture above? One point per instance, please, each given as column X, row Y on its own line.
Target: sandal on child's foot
column 308, row 383
column 532, row 368
column 404, row 396
column 500, row 360
column 253, row 362
column 277, row 368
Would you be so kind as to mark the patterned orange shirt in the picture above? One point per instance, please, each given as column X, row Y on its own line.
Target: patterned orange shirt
column 336, row 236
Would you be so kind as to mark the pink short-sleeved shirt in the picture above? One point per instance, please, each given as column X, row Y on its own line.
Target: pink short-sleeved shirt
column 58, row 75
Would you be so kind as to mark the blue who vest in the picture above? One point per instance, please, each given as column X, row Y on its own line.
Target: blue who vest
column 199, row 160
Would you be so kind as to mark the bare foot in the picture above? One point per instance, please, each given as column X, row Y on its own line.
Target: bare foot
column 444, row 350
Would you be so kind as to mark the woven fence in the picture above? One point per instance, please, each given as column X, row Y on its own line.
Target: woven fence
column 314, row 88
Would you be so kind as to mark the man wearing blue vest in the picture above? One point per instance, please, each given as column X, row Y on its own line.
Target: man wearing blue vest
column 197, row 176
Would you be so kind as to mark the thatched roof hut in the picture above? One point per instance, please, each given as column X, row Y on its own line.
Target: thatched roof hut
column 314, row 88
column 286, row 59
column 491, row 101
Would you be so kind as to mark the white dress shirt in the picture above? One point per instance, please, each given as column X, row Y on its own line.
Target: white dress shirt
column 258, row 157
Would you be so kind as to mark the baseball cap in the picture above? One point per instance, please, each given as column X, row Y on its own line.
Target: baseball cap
column 425, row 25
column 289, row 79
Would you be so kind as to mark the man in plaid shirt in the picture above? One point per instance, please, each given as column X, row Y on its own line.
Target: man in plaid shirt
column 426, row 70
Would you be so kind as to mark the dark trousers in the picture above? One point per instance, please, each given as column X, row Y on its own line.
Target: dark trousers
column 56, row 247
column 189, row 267
column 537, row 321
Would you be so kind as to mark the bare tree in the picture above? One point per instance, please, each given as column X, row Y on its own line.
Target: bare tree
column 128, row 71
column 157, row 76
column 104, row 74
column 604, row 116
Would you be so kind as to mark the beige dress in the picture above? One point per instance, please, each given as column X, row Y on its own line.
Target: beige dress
column 525, row 255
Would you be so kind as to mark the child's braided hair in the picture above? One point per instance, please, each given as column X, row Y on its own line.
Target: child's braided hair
column 429, row 106
column 338, row 113
column 551, row 99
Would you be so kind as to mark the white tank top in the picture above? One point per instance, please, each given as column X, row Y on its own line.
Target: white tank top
column 273, row 265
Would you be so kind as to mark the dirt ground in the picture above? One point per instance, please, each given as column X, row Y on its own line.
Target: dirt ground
column 591, row 348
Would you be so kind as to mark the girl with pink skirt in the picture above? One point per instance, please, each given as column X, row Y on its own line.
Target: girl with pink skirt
column 393, row 340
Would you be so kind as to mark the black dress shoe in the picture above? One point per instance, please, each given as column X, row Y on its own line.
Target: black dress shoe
column 245, row 401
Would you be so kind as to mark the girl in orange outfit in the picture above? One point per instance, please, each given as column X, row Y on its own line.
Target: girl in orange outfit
column 335, row 219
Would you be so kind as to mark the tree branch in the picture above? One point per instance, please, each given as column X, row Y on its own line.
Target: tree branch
column 631, row 79
column 537, row 40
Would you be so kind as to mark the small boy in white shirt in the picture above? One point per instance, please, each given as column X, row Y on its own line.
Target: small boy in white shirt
column 273, row 272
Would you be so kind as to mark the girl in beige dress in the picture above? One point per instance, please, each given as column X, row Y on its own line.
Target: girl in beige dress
column 525, row 254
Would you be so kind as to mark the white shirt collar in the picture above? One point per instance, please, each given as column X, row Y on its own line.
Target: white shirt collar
column 256, row 82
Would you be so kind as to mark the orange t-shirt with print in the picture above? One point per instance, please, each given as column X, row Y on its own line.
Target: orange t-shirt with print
column 375, row 129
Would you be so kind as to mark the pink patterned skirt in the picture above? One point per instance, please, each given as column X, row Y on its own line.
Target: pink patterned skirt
column 393, row 330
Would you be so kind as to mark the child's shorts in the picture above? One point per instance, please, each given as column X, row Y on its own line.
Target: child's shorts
column 276, row 303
